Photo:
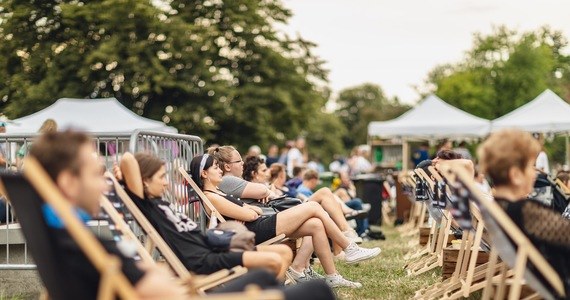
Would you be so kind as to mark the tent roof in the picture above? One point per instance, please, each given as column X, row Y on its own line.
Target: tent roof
column 546, row 113
column 92, row 115
column 432, row 118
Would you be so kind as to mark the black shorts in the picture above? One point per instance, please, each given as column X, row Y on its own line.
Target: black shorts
column 265, row 228
column 216, row 261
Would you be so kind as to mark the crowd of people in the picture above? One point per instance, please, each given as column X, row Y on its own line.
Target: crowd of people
column 240, row 189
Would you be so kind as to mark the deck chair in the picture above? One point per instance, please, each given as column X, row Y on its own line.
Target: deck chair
column 514, row 248
column 467, row 277
column 27, row 193
column 214, row 214
column 439, row 232
column 198, row 284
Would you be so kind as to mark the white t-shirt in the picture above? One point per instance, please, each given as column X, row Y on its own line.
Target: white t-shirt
column 294, row 158
column 542, row 162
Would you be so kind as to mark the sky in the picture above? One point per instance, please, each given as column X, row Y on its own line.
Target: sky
column 396, row 43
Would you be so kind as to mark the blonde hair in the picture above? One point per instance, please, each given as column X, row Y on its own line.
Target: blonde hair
column 504, row 150
column 48, row 125
column 223, row 154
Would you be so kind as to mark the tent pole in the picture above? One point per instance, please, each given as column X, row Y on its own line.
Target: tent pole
column 405, row 154
column 567, row 161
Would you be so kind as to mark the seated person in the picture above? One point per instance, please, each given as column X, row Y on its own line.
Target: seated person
column 347, row 193
column 68, row 158
column 307, row 219
column 508, row 158
column 232, row 166
column 297, row 178
column 145, row 179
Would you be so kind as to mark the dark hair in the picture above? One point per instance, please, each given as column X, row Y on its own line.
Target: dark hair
column 148, row 164
column 448, row 155
column 297, row 170
column 195, row 168
column 59, row 151
column 250, row 166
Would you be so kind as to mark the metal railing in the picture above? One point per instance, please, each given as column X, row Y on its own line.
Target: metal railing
column 175, row 149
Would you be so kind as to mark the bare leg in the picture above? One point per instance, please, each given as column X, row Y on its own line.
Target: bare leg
column 329, row 203
column 289, row 221
column 314, row 228
column 303, row 254
column 283, row 251
column 270, row 261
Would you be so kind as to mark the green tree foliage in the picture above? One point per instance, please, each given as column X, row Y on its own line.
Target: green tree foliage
column 217, row 69
column 503, row 71
column 357, row 106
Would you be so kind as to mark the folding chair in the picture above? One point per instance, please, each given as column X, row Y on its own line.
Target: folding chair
column 467, row 277
column 27, row 200
column 514, row 248
column 439, row 232
column 198, row 284
column 214, row 214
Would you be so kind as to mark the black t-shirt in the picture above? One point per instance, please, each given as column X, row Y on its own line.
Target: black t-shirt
column 83, row 278
column 184, row 237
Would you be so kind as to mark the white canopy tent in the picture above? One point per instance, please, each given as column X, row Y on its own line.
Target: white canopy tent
column 92, row 115
column 431, row 119
column 547, row 113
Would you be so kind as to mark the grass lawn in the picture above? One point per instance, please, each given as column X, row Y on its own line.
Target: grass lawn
column 384, row 277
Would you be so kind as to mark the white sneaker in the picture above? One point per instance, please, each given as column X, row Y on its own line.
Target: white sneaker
column 338, row 281
column 352, row 236
column 354, row 253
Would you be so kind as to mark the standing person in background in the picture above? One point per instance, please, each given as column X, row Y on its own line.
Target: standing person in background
column 358, row 163
column 48, row 125
column 295, row 156
column 285, row 152
column 462, row 149
column 542, row 159
column 272, row 155
column 421, row 154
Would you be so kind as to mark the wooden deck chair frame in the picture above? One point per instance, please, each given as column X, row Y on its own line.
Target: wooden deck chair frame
column 198, row 284
column 214, row 214
column 438, row 239
column 498, row 222
column 467, row 277
column 112, row 281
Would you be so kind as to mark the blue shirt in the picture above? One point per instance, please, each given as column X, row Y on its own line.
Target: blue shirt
column 304, row 190
column 54, row 221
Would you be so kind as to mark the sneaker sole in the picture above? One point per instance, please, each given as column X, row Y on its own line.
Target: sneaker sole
column 364, row 257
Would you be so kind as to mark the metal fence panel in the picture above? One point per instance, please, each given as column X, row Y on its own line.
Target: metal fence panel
column 175, row 149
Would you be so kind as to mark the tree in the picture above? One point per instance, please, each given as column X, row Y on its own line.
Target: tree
column 215, row 69
column 358, row 106
column 503, row 71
